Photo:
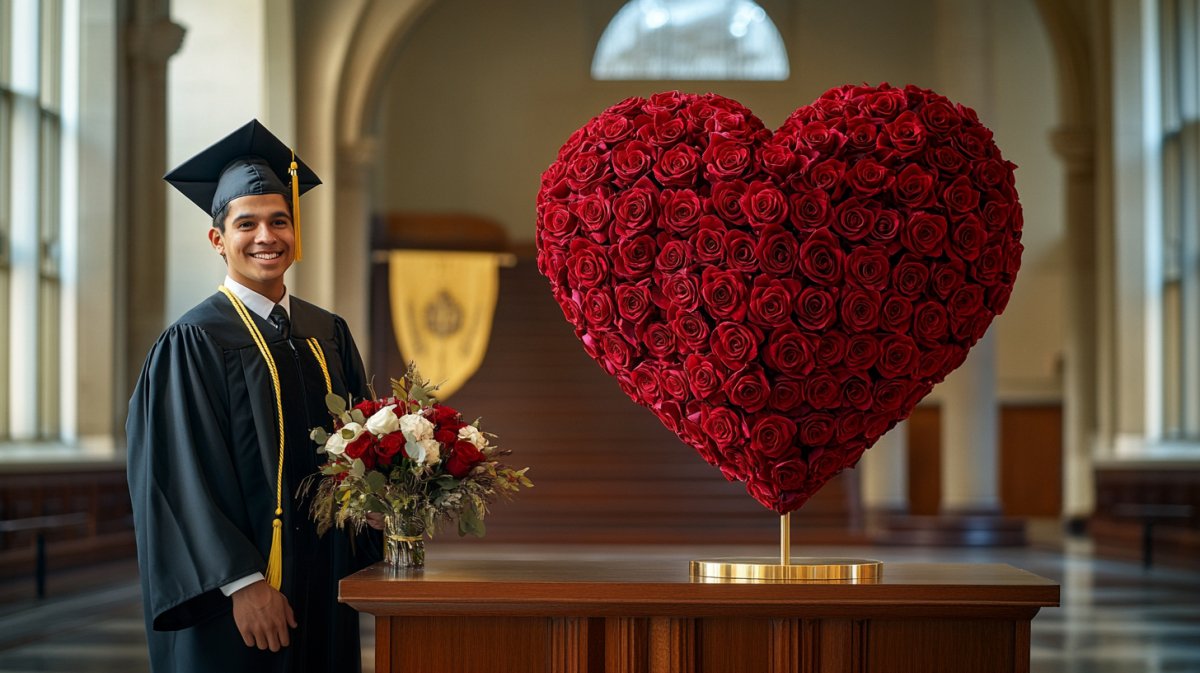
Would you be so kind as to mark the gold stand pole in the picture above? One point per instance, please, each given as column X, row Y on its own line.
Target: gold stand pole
column 801, row 569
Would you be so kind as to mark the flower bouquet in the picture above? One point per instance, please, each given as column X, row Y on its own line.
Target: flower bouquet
column 412, row 460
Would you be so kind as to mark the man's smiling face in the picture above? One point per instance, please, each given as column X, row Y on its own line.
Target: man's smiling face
column 258, row 242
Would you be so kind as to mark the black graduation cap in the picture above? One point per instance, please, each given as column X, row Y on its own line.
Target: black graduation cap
column 251, row 160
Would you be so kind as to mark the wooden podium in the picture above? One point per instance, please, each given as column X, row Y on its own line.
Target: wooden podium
column 633, row 617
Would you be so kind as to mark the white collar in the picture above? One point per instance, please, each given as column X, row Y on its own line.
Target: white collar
column 256, row 302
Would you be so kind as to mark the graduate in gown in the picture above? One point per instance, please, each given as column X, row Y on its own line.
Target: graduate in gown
column 234, row 577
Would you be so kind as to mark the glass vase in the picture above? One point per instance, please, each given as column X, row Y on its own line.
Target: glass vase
column 403, row 542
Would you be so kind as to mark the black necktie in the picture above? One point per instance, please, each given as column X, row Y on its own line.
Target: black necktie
column 279, row 319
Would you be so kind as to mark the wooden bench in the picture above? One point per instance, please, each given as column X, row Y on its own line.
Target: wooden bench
column 1149, row 515
column 41, row 524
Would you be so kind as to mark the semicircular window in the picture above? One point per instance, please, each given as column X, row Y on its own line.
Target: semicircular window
column 690, row 40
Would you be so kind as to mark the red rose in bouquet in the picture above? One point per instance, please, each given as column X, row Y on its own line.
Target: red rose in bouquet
column 804, row 288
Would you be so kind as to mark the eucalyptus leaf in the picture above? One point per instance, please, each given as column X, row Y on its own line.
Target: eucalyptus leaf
column 357, row 416
column 335, row 404
column 357, row 469
column 319, row 435
column 375, row 481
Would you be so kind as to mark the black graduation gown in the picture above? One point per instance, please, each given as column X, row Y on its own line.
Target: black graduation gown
column 203, row 452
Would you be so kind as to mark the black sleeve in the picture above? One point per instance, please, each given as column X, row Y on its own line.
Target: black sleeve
column 189, row 516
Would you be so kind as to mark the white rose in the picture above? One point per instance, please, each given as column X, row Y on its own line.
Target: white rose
column 423, row 451
column 383, row 421
column 416, row 427
column 472, row 434
column 337, row 442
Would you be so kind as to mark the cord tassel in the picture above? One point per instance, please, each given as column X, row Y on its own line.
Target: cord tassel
column 294, row 171
column 275, row 558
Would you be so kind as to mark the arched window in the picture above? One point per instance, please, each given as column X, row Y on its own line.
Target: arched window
column 690, row 40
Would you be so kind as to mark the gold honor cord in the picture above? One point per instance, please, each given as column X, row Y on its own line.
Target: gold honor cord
column 275, row 558
column 319, row 354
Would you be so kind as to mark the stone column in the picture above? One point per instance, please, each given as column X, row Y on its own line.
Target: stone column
column 149, row 41
column 970, row 431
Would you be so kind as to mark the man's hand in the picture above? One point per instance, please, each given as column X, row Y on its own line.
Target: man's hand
column 375, row 520
column 263, row 616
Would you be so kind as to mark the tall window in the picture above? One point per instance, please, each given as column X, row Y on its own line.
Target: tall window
column 691, row 40
column 31, row 129
column 1179, row 31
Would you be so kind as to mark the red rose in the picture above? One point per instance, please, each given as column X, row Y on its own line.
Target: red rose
column 673, row 256
column 972, row 141
column 748, row 389
column 658, row 339
column 914, row 186
column 681, row 210
column 968, row 238
column 725, row 158
column 856, row 392
column 369, row 407
column 709, row 240
column 704, row 376
column 587, row 264
column 727, row 201
column 770, row 303
column 645, row 380
column 440, row 414
column 821, row 258
column 947, row 278
column 594, row 211
column 723, row 426
column 906, row 134
column 777, row 159
column 390, row 445
column 724, row 293
column 587, row 169
column 822, row 391
column 862, row 351
column 665, row 101
column 691, row 330
column 924, row 234
column 633, row 302
column 992, row 173
column 361, row 448
column 824, row 465
column 772, row 435
column 816, row 429
column 960, row 196
column 897, row 356
column 868, row 268
column 815, row 308
column 674, row 383
column 910, row 276
column 946, row 160
column 853, row 220
column 663, row 129
column 764, row 204
column 966, row 301
column 617, row 351
column 939, row 116
column 890, row 394
column 821, row 137
column 935, row 360
column 886, row 102
column 860, row 133
column 809, row 209
column 634, row 258
column 996, row 211
column 776, row 250
column 998, row 296
column 681, row 291
column 868, row 177
column 786, row 395
column 611, row 128
column 739, row 251
column 597, row 307
column 635, row 208
column 791, row 474
column 734, row 344
column 930, row 323
column 445, row 436
column 832, row 348
column 860, row 310
column 827, row 176
column 557, row 222
column 630, row 161
column 463, row 458
column 896, row 314
column 887, row 224
column 789, row 351
column 677, row 167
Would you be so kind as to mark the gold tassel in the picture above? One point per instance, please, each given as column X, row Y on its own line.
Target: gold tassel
column 275, row 559
column 295, row 173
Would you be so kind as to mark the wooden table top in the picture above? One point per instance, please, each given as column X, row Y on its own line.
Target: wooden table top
column 653, row 584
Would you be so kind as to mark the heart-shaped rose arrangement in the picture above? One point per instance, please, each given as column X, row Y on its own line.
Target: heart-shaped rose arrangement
column 781, row 300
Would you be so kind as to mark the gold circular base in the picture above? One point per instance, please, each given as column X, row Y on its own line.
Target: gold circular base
column 799, row 569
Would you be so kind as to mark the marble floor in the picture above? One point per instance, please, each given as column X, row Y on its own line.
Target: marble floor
column 1115, row 617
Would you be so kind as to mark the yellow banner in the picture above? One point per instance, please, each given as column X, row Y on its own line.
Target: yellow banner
column 442, row 308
